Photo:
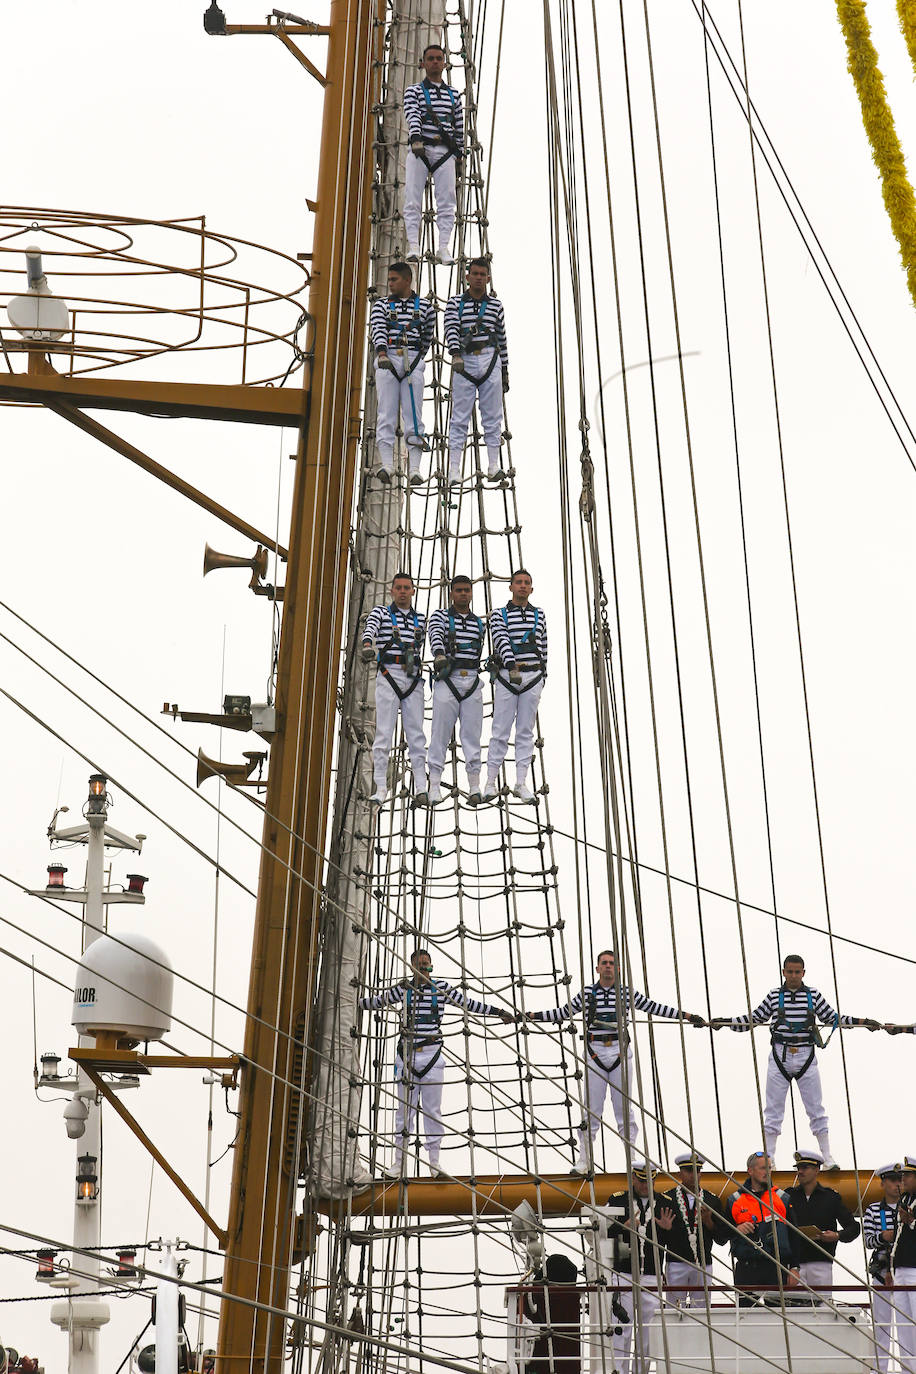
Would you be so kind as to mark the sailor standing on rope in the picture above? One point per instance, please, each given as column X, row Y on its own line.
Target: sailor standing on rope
column 824, row 1219
column 792, row 1012
column 903, row 1267
column 394, row 636
column 606, row 1042
column 475, row 335
column 401, row 329
column 456, row 638
column 519, row 635
column 699, row 1223
column 419, row 1068
column 435, row 128
column 879, row 1228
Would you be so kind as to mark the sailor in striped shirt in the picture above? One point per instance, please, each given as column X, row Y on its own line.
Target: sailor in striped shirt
column 419, row 1069
column 394, row 637
column 879, row 1229
column 519, row 635
column 435, row 129
column 401, row 329
column 475, row 335
column 792, row 1012
column 456, row 638
column 603, row 1038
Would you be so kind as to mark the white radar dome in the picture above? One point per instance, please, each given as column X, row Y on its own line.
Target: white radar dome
column 124, row 985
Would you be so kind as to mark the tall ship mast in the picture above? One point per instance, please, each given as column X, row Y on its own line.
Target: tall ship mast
column 476, row 1111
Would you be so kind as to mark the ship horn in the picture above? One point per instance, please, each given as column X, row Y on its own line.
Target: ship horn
column 257, row 564
column 233, row 773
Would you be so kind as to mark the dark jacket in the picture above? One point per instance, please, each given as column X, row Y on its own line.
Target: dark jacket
column 627, row 1240
column 826, row 1210
column 903, row 1250
column 677, row 1240
column 555, row 1307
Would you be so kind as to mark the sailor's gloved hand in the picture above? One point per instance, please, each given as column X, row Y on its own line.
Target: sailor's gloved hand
column 896, row 1030
column 718, row 1022
column 507, row 1017
column 457, row 362
column 439, row 664
column 696, row 1020
column 417, row 147
column 367, row 653
column 385, row 362
column 870, row 1024
column 515, row 675
column 505, row 379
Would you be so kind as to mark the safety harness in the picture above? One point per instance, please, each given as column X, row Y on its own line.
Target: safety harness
column 463, row 659
column 787, row 1024
column 399, row 329
column 448, row 135
column 605, row 1019
column 409, row 1041
column 525, row 645
column 476, row 337
column 396, row 653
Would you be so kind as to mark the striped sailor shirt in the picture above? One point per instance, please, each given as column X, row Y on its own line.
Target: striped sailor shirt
column 469, row 637
column 511, row 628
column 393, row 631
column 445, row 102
column 793, row 1026
column 601, row 1011
column 408, row 322
column 471, row 325
column 878, row 1217
column 423, row 1009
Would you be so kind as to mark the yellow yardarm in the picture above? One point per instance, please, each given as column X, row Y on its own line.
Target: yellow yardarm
column 879, row 125
column 906, row 9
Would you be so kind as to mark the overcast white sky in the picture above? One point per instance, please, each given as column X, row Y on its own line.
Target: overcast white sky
column 131, row 110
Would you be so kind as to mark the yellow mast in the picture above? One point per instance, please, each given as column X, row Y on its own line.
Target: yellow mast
column 262, row 1209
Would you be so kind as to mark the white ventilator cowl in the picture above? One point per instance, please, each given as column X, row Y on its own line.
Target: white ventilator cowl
column 124, row 984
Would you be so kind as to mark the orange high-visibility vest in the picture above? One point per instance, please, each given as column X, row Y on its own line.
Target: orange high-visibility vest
column 751, row 1207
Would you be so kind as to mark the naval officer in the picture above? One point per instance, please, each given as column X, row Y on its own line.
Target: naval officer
column 435, row 128
column 401, row 329
column 699, row 1223
column 639, row 1232
column 792, row 1012
column 475, row 336
column 607, row 1044
column 456, row 639
column 824, row 1219
column 519, row 635
column 419, row 1068
column 394, row 637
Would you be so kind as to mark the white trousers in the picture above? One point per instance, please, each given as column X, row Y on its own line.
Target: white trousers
column 682, row 1274
column 883, row 1326
column 598, row 1079
column 468, row 714
column 519, row 709
column 906, row 1318
column 396, row 396
column 424, row 1092
column 388, row 706
column 489, row 396
column 809, row 1089
column 817, row 1274
column 625, row 1362
column 415, row 178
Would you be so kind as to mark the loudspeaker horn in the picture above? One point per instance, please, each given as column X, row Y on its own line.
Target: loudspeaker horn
column 233, row 773
column 258, row 564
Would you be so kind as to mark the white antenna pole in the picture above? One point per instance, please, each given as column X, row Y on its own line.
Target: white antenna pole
column 167, row 1295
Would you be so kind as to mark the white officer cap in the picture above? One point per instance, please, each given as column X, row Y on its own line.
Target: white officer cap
column 889, row 1169
column 641, row 1169
column 809, row 1157
column 690, row 1157
column 909, row 1164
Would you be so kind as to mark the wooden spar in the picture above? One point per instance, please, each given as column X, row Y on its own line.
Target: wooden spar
column 262, row 1209
column 553, row 1195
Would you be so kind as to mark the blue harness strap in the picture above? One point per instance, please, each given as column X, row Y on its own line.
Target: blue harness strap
column 409, row 1071
column 527, row 641
column 474, row 650
column 392, row 654
column 480, row 332
column 401, row 341
column 794, row 1025
column 448, row 135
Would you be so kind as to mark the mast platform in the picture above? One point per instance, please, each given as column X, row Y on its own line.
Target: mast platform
column 255, row 405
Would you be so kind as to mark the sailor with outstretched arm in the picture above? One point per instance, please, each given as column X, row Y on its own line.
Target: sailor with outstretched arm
column 792, row 1012
column 419, row 1065
column 475, row 336
column 518, row 632
column 402, row 326
column 394, row 638
column 456, row 640
column 607, row 1044
column 435, row 130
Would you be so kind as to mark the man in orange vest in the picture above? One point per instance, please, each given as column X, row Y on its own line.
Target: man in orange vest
column 765, row 1243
